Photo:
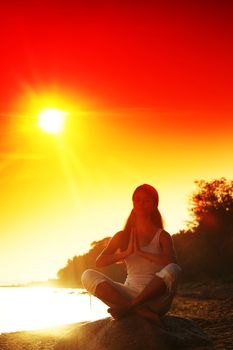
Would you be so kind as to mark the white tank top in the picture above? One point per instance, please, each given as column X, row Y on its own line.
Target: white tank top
column 141, row 270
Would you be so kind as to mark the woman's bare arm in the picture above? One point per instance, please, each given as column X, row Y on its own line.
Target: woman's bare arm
column 111, row 253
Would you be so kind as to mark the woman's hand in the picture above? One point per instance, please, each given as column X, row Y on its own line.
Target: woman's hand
column 130, row 248
column 136, row 247
column 112, row 253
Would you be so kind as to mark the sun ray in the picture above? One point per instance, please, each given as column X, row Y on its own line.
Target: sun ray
column 73, row 171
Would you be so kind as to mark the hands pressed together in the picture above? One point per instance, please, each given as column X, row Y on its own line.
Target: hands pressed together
column 133, row 246
column 112, row 253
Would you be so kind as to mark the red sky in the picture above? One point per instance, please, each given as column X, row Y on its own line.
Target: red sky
column 171, row 55
column 149, row 87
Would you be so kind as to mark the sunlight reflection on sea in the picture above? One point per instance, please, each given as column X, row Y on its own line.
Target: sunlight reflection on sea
column 25, row 308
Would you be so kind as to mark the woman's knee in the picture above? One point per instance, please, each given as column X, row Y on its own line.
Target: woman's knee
column 170, row 275
column 86, row 277
column 90, row 280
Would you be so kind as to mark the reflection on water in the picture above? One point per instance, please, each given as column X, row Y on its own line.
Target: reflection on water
column 35, row 308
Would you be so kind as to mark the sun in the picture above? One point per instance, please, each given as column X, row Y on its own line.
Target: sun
column 52, row 120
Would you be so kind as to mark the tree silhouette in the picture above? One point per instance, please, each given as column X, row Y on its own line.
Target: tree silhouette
column 212, row 204
column 206, row 248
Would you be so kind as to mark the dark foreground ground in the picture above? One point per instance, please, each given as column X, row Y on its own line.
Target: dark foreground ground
column 210, row 305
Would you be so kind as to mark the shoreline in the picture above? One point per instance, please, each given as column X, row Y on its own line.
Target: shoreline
column 49, row 283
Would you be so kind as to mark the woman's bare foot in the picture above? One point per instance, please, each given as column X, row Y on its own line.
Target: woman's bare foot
column 119, row 311
column 145, row 311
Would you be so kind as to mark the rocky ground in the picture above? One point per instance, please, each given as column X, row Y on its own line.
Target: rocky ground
column 210, row 305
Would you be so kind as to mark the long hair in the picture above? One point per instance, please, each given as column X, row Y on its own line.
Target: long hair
column 156, row 217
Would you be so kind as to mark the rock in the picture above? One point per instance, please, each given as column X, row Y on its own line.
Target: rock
column 136, row 333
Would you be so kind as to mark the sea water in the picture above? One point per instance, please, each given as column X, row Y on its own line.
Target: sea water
column 29, row 308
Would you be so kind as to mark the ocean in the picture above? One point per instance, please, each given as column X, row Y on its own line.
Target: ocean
column 31, row 308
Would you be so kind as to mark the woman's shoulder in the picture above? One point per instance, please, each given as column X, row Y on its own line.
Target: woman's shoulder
column 121, row 239
column 164, row 232
column 160, row 231
column 114, row 242
column 118, row 235
column 165, row 238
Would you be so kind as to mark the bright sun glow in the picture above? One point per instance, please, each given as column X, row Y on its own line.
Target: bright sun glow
column 52, row 120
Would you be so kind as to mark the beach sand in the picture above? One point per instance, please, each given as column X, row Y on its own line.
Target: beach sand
column 210, row 305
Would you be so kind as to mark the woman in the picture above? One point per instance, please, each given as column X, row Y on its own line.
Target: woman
column 147, row 251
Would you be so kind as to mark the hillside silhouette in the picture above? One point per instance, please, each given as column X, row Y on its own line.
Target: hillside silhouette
column 204, row 249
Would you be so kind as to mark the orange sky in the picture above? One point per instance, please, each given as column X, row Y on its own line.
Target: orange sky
column 149, row 91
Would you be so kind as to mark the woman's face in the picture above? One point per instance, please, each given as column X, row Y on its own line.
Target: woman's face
column 143, row 203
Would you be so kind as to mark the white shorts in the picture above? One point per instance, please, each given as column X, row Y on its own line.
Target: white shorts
column 170, row 275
